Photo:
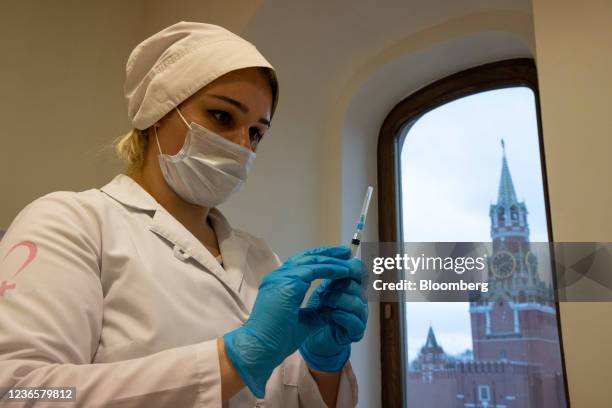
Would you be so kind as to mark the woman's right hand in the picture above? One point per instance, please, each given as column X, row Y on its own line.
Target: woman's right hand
column 277, row 325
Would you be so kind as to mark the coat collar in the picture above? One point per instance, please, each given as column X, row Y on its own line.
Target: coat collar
column 124, row 189
column 233, row 246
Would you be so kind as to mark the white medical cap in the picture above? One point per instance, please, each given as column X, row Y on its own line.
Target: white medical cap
column 173, row 64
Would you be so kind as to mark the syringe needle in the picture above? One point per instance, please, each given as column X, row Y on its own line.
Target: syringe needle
column 361, row 222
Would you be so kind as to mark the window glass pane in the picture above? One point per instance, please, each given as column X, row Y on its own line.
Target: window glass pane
column 470, row 170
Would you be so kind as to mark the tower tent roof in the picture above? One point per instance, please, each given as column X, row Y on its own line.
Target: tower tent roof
column 506, row 195
column 431, row 339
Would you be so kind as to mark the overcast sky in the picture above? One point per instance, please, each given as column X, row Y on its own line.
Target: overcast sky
column 451, row 165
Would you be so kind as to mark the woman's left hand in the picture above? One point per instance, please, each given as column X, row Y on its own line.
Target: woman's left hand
column 345, row 309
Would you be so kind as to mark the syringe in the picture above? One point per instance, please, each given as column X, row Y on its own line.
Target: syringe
column 361, row 222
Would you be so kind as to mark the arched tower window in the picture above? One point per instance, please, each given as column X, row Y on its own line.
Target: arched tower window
column 501, row 216
column 514, row 215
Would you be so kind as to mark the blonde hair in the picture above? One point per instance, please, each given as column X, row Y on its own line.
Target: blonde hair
column 131, row 147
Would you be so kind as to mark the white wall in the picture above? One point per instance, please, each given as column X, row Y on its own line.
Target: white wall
column 62, row 102
column 574, row 58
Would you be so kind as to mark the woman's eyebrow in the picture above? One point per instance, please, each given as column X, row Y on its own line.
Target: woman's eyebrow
column 243, row 108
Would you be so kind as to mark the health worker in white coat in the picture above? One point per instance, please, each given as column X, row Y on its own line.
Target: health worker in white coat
column 141, row 294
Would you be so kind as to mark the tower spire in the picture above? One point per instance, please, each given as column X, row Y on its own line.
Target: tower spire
column 431, row 339
column 506, row 195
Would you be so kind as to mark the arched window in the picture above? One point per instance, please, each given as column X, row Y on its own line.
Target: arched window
column 514, row 215
column 501, row 216
column 437, row 177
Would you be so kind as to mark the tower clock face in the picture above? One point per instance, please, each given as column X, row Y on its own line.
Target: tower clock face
column 503, row 265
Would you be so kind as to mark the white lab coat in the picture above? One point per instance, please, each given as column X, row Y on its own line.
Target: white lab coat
column 121, row 301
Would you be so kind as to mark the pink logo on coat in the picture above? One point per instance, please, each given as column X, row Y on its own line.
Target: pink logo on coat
column 32, row 251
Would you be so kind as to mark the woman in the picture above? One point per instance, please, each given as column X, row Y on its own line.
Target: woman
column 140, row 294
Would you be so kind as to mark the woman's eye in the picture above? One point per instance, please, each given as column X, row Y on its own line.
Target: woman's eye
column 255, row 135
column 222, row 117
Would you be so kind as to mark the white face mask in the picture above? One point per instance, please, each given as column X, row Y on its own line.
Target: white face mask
column 208, row 168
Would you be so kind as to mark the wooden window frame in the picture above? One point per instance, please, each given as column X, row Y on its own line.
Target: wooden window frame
column 496, row 75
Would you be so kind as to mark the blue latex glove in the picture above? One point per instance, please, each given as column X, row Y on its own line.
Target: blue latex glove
column 277, row 325
column 345, row 309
